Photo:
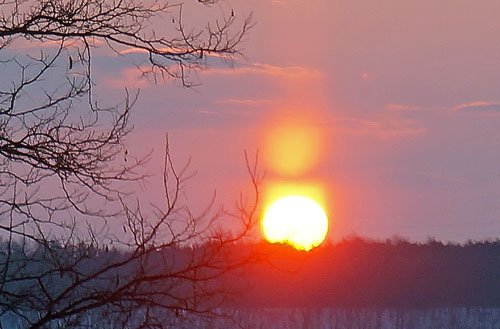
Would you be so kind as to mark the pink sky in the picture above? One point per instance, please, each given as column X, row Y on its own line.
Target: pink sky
column 407, row 92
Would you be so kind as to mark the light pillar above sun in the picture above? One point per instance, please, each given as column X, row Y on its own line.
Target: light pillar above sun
column 292, row 148
column 294, row 210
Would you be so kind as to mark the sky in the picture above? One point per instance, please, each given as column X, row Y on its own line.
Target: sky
column 404, row 94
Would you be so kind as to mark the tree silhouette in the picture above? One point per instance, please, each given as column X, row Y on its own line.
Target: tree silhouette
column 361, row 273
column 65, row 173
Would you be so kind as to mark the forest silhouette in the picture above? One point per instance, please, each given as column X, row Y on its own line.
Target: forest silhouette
column 359, row 272
column 353, row 273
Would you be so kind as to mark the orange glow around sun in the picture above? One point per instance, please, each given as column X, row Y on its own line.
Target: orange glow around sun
column 295, row 214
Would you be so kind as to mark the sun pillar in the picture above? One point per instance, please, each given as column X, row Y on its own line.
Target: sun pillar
column 295, row 203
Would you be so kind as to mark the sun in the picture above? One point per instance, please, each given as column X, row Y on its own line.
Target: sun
column 295, row 220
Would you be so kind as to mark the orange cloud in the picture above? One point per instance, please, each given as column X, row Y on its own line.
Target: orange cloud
column 279, row 2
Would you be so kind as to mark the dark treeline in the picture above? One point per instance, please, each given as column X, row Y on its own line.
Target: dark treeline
column 356, row 273
column 379, row 274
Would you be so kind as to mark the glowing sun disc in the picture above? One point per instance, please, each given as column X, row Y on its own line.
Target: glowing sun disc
column 295, row 220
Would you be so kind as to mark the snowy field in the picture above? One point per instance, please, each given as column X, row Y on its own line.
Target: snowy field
column 327, row 318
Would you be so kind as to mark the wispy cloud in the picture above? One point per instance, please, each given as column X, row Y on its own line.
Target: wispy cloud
column 267, row 69
column 171, row 50
column 244, row 101
column 401, row 108
column 478, row 106
column 132, row 50
column 383, row 126
column 128, row 77
column 208, row 112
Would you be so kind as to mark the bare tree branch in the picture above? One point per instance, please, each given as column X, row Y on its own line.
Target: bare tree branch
column 65, row 174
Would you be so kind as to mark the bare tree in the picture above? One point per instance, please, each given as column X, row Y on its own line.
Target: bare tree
column 65, row 174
